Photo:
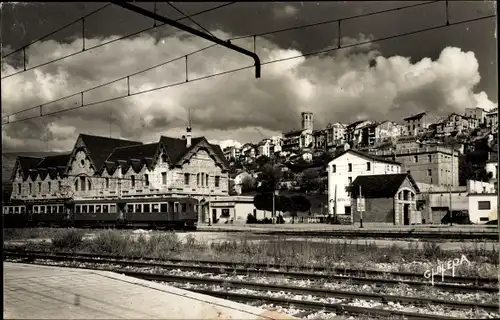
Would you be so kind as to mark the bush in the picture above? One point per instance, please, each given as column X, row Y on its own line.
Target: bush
column 251, row 219
column 68, row 239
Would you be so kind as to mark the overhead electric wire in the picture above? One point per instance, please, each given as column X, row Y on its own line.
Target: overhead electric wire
column 108, row 42
column 196, row 23
column 229, row 71
column 55, row 31
column 213, row 45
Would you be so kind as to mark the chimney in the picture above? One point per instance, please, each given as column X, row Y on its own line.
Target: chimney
column 188, row 137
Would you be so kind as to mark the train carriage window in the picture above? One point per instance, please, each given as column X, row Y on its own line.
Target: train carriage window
column 130, row 208
column 98, row 208
column 61, row 209
column 138, row 208
column 176, row 207
column 105, row 208
column 48, row 209
column 171, row 206
column 36, row 209
column 42, row 209
column 54, row 209
column 5, row 210
column 112, row 208
column 164, row 207
column 155, row 207
column 91, row 208
column 146, row 207
column 23, row 210
column 77, row 209
column 84, row 208
column 16, row 209
column 11, row 210
column 183, row 207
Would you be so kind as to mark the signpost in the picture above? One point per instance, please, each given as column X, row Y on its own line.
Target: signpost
column 361, row 207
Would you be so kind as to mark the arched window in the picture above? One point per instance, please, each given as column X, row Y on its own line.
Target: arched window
column 89, row 184
column 76, row 185
column 198, row 179
column 206, row 179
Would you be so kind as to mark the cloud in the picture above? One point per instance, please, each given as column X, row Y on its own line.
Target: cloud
column 344, row 86
column 285, row 11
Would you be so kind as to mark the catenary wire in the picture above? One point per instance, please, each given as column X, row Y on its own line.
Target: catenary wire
column 211, row 46
column 55, row 31
column 196, row 23
column 235, row 70
column 112, row 41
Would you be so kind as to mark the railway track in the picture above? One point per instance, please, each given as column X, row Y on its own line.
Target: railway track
column 355, row 276
column 259, row 292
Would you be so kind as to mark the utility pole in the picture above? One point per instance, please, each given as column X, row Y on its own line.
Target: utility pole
column 452, row 180
column 360, row 209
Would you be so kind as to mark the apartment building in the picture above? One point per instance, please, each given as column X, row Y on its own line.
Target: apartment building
column 345, row 168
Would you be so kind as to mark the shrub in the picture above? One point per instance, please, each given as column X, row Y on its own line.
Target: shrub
column 68, row 239
column 111, row 242
column 251, row 219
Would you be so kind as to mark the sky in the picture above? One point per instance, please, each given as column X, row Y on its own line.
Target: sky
column 442, row 71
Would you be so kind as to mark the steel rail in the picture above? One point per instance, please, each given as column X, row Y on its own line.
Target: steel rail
column 267, row 266
column 246, row 271
column 309, row 305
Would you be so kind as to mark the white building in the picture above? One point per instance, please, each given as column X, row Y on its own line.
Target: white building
column 265, row 148
column 482, row 201
column 342, row 171
column 234, row 210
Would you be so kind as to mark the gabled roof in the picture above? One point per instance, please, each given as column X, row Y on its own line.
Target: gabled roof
column 381, row 185
column 293, row 132
column 415, row 116
column 366, row 156
column 137, row 152
column 60, row 160
column 354, row 124
column 101, row 147
column 28, row 163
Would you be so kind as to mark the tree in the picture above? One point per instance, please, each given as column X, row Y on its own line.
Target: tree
column 248, row 184
column 270, row 176
column 262, row 160
column 310, row 180
column 263, row 201
column 300, row 203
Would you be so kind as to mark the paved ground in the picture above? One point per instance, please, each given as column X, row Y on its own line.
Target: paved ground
column 41, row 292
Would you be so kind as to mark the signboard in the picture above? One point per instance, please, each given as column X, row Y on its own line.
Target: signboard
column 360, row 204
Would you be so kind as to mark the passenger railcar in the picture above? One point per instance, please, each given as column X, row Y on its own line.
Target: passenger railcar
column 159, row 213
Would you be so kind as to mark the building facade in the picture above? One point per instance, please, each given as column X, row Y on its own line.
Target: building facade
column 492, row 120
column 235, row 210
column 419, row 123
column 476, row 113
column 296, row 140
column 105, row 168
column 388, row 198
column 434, row 165
column 345, row 168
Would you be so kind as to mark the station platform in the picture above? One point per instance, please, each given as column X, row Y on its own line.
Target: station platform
column 42, row 292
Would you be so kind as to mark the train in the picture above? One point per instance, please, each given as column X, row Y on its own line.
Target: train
column 156, row 213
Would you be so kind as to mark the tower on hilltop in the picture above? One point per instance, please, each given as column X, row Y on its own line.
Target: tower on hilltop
column 307, row 121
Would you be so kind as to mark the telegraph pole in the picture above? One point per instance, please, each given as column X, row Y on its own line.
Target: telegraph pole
column 451, row 184
column 360, row 209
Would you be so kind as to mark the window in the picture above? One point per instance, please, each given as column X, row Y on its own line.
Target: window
column 368, row 166
column 349, row 167
column 130, row 208
column 198, row 179
column 146, row 207
column 349, row 180
column 176, row 207
column 49, row 186
column 334, row 168
column 164, row 178
column 217, row 181
column 112, row 208
column 107, row 183
column 76, row 185
column 416, row 158
column 98, row 208
column 59, row 185
column 146, row 180
column 483, row 205
column 89, row 183
column 132, row 181
column 206, row 179
column 105, row 208
column 183, row 207
column 155, row 207
column 91, row 208
column 163, row 207
column 78, row 209
column 84, row 209
column 164, row 158
column 430, row 158
column 186, row 179
column 19, row 188
column 42, row 209
column 31, row 187
column 484, row 219
column 138, row 208
column 429, row 172
column 82, row 183
column 225, row 213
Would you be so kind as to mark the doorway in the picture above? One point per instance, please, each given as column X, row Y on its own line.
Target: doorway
column 406, row 214
column 347, row 209
column 214, row 215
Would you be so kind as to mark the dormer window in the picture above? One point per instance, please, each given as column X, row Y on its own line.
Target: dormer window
column 163, row 158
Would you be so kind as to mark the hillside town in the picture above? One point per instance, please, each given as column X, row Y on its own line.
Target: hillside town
column 451, row 161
